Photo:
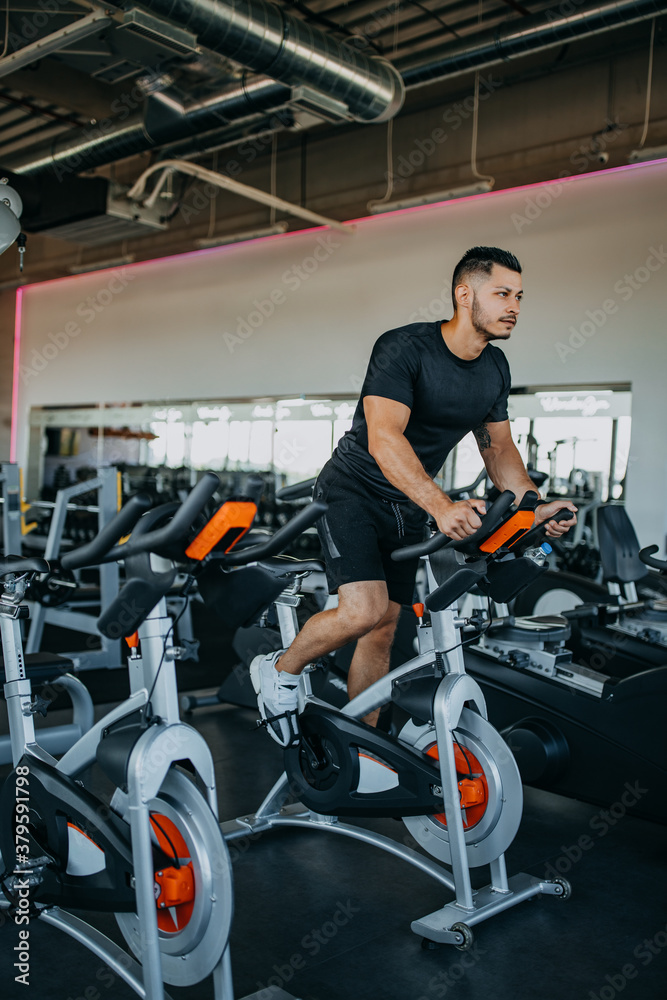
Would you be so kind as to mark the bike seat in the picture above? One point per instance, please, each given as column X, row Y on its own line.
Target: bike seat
column 42, row 666
column 619, row 547
column 20, row 564
column 291, row 566
column 299, row 491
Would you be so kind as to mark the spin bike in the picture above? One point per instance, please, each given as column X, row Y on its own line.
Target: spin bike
column 152, row 854
column 448, row 774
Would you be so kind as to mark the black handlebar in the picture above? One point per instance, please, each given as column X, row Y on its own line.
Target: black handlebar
column 490, row 521
column 538, row 534
column 121, row 524
column 647, row 557
column 177, row 528
column 278, row 542
column 254, row 487
column 432, row 544
column 298, row 491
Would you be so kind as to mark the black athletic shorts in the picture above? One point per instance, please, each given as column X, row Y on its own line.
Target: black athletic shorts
column 360, row 531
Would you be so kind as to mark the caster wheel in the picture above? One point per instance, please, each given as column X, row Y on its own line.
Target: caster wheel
column 467, row 935
column 564, row 887
column 428, row 945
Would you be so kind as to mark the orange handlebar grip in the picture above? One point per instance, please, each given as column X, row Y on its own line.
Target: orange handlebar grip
column 229, row 523
column 510, row 532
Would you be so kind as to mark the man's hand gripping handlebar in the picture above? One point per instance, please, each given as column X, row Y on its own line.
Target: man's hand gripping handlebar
column 503, row 529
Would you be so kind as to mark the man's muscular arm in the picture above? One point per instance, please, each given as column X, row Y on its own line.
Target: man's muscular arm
column 507, row 472
column 386, row 420
column 502, row 459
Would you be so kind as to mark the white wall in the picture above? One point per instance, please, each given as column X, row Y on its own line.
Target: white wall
column 178, row 328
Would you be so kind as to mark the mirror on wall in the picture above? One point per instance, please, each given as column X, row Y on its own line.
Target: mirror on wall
column 578, row 438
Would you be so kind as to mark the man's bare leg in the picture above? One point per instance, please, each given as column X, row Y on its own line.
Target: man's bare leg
column 371, row 658
column 361, row 607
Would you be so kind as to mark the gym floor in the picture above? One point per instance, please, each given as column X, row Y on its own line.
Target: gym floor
column 324, row 917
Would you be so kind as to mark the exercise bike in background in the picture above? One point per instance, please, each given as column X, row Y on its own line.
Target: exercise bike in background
column 585, row 731
column 610, row 624
column 256, row 607
column 151, row 851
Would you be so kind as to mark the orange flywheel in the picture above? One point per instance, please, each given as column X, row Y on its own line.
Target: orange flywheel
column 473, row 786
column 174, row 886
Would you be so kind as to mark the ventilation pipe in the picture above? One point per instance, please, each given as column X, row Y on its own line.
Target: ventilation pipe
column 528, row 35
column 261, row 37
column 265, row 39
column 163, row 120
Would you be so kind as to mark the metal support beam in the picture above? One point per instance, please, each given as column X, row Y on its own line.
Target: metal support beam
column 57, row 40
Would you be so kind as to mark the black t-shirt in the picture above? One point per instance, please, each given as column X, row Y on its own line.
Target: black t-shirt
column 447, row 396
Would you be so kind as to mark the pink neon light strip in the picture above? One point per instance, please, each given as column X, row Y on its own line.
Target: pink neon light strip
column 604, row 172
column 15, row 381
column 623, row 168
column 281, row 236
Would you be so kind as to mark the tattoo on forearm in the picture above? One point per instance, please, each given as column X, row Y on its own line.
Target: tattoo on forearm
column 483, row 437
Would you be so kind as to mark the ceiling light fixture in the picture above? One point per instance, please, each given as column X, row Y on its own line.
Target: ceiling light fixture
column 648, row 153
column 102, row 265
column 242, row 237
column 479, row 187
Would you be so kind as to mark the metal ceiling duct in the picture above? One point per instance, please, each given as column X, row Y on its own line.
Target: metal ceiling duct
column 266, row 39
column 162, row 121
column 259, row 36
column 527, row 35
column 262, row 37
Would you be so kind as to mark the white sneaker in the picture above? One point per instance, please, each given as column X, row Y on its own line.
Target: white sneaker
column 276, row 697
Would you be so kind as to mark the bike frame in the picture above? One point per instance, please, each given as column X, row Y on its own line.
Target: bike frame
column 439, row 644
column 156, row 750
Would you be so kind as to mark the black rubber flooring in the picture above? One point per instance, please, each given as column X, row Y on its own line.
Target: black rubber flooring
column 326, row 918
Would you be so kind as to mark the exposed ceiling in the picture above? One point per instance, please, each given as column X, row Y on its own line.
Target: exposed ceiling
column 148, row 79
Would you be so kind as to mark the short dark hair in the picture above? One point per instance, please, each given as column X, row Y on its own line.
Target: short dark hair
column 479, row 261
